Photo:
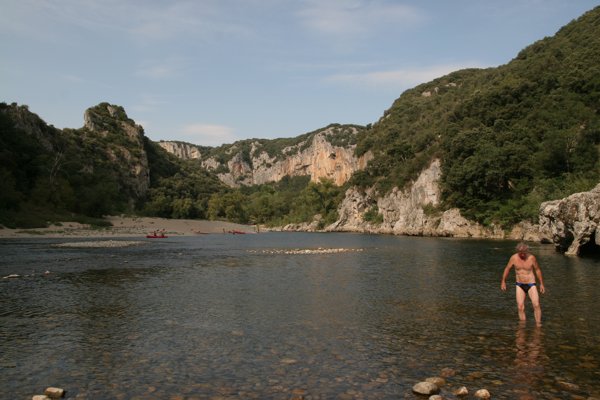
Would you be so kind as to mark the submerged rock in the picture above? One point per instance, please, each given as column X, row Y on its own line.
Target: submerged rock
column 461, row 391
column 54, row 392
column 439, row 382
column 426, row 388
column 483, row 394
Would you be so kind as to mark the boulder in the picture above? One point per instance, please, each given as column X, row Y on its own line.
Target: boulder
column 461, row 391
column 483, row 394
column 425, row 388
column 54, row 392
column 436, row 380
column 573, row 222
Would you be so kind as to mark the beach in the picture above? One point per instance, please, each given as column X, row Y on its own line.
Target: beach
column 123, row 226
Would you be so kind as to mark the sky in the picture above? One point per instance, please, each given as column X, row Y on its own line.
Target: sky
column 210, row 72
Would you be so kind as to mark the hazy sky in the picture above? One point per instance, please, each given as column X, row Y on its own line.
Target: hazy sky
column 215, row 71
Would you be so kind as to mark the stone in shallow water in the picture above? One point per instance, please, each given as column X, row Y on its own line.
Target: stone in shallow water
column 483, row 394
column 436, row 397
column 54, row 392
column 568, row 386
column 426, row 388
column 436, row 380
column 461, row 391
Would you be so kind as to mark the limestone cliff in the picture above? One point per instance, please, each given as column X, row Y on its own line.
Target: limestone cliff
column 412, row 211
column 573, row 223
column 185, row 151
column 416, row 211
column 319, row 155
column 124, row 145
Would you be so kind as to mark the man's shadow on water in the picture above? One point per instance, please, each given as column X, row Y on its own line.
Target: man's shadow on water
column 529, row 360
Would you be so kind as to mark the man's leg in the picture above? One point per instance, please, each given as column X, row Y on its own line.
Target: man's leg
column 535, row 302
column 520, row 303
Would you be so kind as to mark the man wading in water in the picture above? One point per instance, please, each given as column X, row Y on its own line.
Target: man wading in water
column 525, row 265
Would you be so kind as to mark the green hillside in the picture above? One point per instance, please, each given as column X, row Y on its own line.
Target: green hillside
column 509, row 137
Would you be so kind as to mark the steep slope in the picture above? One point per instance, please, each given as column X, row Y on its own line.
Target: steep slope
column 508, row 137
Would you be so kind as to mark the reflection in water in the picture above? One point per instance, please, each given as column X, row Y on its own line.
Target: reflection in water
column 216, row 317
column 529, row 360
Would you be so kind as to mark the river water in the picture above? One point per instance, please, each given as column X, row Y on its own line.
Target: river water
column 236, row 316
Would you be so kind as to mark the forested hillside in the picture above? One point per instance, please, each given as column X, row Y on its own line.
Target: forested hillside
column 509, row 137
column 106, row 167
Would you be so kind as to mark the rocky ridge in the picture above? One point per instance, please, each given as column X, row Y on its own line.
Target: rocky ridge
column 316, row 157
column 185, row 151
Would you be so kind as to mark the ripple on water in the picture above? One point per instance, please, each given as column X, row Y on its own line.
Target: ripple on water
column 230, row 317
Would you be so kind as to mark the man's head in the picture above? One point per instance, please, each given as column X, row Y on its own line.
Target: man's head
column 522, row 249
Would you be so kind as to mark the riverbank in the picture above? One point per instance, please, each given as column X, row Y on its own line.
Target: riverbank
column 131, row 227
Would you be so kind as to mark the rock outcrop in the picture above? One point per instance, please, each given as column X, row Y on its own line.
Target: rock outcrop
column 317, row 156
column 185, row 151
column 412, row 211
column 126, row 145
column 573, row 223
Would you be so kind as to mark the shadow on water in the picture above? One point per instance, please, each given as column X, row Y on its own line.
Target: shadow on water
column 233, row 316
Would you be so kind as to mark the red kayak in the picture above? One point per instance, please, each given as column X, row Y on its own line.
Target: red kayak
column 156, row 236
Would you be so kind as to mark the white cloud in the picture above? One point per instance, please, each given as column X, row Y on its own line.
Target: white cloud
column 357, row 17
column 159, row 70
column 207, row 134
column 399, row 79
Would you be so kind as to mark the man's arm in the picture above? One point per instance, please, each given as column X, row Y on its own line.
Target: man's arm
column 505, row 274
column 538, row 272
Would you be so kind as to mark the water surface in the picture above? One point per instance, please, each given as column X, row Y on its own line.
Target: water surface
column 223, row 316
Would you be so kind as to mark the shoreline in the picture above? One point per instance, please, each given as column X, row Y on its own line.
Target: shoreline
column 129, row 227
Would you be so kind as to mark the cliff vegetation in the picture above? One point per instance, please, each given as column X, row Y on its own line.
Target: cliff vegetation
column 507, row 139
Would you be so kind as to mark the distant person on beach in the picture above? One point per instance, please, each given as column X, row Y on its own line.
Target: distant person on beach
column 526, row 268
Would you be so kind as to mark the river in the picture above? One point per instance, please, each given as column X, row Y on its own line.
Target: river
column 242, row 316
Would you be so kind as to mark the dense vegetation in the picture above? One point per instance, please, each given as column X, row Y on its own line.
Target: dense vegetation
column 47, row 175
column 509, row 137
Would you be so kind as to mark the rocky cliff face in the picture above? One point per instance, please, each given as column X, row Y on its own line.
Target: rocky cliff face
column 182, row 150
column 125, row 147
column 316, row 157
column 573, row 223
column 414, row 211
